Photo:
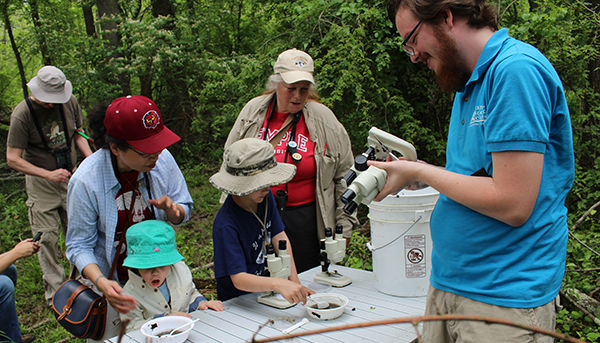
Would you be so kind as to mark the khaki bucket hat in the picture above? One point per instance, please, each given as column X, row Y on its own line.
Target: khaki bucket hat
column 250, row 165
column 50, row 86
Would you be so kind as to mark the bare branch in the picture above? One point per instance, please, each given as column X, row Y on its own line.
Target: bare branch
column 582, row 270
column 270, row 321
column 585, row 215
column 417, row 320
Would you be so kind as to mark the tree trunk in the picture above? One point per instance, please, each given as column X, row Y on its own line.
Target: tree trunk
column 88, row 18
column 39, row 32
column 108, row 13
column 595, row 64
column 238, row 26
column 14, row 46
column 174, row 97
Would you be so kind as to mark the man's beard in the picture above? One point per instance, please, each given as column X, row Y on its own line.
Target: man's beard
column 452, row 75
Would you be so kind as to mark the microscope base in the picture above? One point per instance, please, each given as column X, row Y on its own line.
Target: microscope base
column 334, row 279
column 274, row 299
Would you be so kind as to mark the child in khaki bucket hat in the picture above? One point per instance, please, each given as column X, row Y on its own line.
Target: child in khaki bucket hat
column 249, row 220
column 158, row 278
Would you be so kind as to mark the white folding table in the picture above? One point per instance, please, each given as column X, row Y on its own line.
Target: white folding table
column 243, row 316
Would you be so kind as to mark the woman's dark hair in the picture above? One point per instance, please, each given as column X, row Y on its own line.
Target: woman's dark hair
column 98, row 131
column 478, row 12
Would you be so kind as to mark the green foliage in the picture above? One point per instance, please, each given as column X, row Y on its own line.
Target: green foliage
column 13, row 220
column 202, row 65
column 357, row 254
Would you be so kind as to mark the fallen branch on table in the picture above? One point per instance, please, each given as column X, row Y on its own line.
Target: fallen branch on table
column 415, row 321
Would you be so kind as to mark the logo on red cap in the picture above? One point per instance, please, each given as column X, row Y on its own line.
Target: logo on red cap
column 151, row 119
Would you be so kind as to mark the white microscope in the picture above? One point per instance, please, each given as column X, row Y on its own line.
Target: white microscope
column 365, row 182
column 333, row 250
column 278, row 266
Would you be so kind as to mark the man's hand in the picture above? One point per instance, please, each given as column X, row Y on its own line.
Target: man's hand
column 59, row 175
column 400, row 174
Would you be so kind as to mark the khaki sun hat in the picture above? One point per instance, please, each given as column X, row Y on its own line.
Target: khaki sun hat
column 294, row 65
column 250, row 165
column 50, row 86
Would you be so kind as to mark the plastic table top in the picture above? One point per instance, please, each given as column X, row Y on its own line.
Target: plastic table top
column 244, row 315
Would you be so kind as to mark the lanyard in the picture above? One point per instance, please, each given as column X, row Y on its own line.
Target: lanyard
column 263, row 223
column 295, row 120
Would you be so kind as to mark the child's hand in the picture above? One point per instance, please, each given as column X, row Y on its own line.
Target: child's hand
column 183, row 314
column 212, row 304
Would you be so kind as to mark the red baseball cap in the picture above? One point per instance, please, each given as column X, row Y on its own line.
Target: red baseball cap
column 137, row 120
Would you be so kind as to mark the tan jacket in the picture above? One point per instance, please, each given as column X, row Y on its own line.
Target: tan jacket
column 150, row 300
column 333, row 156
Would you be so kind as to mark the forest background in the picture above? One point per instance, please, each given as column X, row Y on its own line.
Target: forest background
column 202, row 60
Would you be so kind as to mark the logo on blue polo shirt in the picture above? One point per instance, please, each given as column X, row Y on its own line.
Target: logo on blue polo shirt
column 479, row 116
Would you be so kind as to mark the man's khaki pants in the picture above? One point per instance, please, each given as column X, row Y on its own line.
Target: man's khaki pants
column 47, row 203
column 467, row 331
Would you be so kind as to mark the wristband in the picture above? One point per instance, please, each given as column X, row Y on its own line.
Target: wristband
column 98, row 278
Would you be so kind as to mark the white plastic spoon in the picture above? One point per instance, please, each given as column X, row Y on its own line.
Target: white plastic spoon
column 180, row 327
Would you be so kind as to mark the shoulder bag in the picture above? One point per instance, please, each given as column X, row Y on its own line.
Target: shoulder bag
column 79, row 309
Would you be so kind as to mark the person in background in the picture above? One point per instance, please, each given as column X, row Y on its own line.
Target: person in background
column 132, row 178
column 10, row 329
column 307, row 134
column 248, row 221
column 155, row 264
column 499, row 228
column 42, row 143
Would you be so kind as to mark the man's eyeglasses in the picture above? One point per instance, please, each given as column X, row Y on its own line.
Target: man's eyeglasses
column 407, row 48
column 143, row 154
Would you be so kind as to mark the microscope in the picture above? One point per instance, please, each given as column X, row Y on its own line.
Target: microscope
column 333, row 250
column 365, row 182
column 278, row 266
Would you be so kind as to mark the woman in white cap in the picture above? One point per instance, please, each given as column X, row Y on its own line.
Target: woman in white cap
column 248, row 224
column 132, row 178
column 307, row 134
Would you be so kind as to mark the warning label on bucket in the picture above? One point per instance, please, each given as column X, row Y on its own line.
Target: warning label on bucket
column 415, row 264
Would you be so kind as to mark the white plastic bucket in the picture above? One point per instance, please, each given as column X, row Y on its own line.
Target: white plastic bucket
column 401, row 241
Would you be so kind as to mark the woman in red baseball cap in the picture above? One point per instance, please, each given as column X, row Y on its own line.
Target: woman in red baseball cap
column 132, row 178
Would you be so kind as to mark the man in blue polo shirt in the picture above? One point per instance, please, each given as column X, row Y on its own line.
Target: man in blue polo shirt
column 499, row 228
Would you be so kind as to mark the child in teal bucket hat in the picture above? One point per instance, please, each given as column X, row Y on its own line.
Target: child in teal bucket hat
column 158, row 278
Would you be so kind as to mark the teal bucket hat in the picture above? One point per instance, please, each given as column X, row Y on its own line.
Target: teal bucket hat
column 151, row 244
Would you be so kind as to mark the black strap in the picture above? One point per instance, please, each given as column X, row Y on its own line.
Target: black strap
column 273, row 105
column 39, row 128
column 292, row 138
column 295, row 120
column 147, row 179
